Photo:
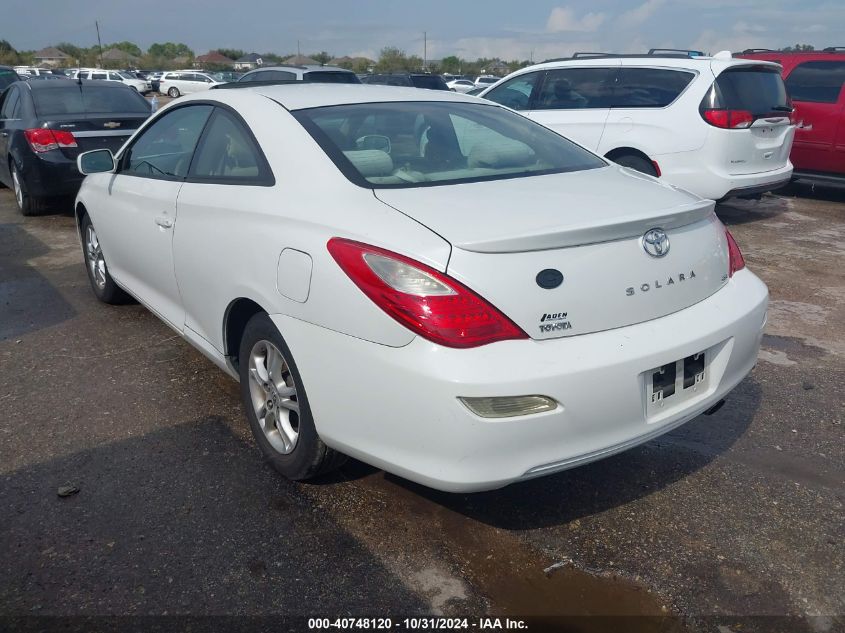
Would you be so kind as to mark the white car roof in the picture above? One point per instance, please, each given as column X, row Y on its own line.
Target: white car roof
column 303, row 95
column 646, row 60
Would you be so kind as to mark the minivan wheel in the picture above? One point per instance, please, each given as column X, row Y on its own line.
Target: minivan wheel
column 636, row 162
column 173, row 92
column 104, row 287
column 277, row 406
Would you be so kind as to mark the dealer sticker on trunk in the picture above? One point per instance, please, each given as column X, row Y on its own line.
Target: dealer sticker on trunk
column 554, row 321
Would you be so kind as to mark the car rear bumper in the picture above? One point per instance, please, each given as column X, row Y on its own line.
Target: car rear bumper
column 398, row 408
column 690, row 171
column 51, row 174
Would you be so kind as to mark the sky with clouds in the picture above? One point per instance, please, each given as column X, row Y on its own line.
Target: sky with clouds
column 502, row 28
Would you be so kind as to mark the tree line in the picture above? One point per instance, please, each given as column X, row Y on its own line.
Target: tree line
column 169, row 55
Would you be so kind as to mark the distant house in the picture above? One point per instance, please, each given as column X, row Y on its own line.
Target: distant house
column 301, row 60
column 249, row 61
column 213, row 58
column 51, row 57
column 498, row 68
column 115, row 57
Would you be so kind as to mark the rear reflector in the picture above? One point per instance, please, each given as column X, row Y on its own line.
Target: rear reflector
column 43, row 140
column 735, row 259
column 728, row 119
column 509, row 406
column 424, row 300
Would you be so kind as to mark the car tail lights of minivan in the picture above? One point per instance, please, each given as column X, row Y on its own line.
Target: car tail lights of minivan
column 728, row 119
column 735, row 259
column 427, row 302
column 43, row 140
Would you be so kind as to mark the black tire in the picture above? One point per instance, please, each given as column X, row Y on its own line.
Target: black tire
column 173, row 92
column 27, row 204
column 636, row 162
column 309, row 457
column 105, row 290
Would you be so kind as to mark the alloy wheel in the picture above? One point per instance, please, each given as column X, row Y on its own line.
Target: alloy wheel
column 272, row 390
column 16, row 184
column 94, row 255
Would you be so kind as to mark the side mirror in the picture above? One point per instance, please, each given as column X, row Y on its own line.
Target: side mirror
column 96, row 161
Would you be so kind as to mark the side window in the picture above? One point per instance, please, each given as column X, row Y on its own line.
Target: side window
column 516, row 93
column 649, row 87
column 577, row 88
column 164, row 149
column 114, row 77
column 228, row 153
column 98, row 75
column 10, row 105
column 818, row 82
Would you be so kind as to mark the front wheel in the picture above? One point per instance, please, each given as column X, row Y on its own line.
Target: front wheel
column 104, row 287
column 173, row 93
column 277, row 407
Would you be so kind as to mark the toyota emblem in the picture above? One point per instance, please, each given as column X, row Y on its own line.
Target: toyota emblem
column 656, row 242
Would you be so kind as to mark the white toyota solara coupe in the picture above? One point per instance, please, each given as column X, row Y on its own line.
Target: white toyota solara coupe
column 424, row 281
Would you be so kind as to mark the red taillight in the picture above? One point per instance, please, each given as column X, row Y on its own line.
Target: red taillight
column 735, row 259
column 43, row 140
column 426, row 301
column 728, row 119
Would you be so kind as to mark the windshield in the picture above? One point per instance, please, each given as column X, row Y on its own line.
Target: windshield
column 126, row 75
column 414, row 144
column 88, row 99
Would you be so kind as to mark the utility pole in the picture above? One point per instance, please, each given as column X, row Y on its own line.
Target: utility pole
column 298, row 52
column 425, row 51
column 99, row 43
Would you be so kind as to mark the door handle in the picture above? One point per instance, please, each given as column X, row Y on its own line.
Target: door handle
column 164, row 222
column 804, row 126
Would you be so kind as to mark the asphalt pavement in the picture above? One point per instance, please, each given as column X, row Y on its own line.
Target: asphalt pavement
column 735, row 520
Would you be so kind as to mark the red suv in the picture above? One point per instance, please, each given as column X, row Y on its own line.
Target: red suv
column 815, row 82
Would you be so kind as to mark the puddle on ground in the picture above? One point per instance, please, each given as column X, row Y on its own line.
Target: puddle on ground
column 514, row 578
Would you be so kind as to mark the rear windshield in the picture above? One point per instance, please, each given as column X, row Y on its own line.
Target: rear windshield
column 88, row 99
column 757, row 89
column 332, row 77
column 7, row 77
column 428, row 81
column 415, row 144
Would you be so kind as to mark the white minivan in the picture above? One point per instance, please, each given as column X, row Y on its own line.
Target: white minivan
column 121, row 76
column 716, row 126
column 184, row 82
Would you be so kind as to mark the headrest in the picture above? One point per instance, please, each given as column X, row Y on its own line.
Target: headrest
column 498, row 155
column 371, row 162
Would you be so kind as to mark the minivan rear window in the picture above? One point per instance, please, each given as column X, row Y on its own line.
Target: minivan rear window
column 431, row 82
column 331, row 77
column 88, row 99
column 756, row 89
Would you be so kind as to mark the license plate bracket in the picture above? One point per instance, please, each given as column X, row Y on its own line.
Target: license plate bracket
column 675, row 383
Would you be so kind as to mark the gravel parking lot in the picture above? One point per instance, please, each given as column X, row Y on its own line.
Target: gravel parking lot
column 737, row 515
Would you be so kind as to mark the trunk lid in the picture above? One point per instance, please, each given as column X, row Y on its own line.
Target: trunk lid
column 589, row 227
column 96, row 131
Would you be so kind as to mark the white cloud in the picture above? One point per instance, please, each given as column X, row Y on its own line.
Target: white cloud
column 642, row 13
column 744, row 27
column 564, row 19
